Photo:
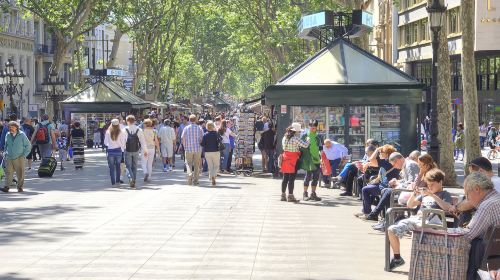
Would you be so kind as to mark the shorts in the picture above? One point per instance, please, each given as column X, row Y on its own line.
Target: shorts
column 63, row 154
column 405, row 225
column 167, row 150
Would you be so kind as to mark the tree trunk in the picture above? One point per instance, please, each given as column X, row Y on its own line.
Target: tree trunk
column 471, row 118
column 447, row 162
column 114, row 51
column 59, row 54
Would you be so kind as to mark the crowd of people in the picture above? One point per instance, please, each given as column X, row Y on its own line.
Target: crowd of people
column 383, row 170
column 205, row 145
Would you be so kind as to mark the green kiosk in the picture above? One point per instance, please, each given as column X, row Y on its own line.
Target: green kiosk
column 354, row 95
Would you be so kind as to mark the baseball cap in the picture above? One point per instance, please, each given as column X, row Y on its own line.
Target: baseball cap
column 115, row 122
column 482, row 163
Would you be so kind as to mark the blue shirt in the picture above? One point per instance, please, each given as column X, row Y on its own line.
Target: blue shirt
column 2, row 137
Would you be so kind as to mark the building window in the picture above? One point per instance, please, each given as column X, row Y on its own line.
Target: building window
column 454, row 21
column 487, row 70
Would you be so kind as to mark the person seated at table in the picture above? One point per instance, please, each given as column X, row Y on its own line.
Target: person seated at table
column 432, row 197
column 334, row 152
column 482, row 195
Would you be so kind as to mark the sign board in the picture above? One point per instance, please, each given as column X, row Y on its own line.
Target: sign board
column 283, row 109
column 314, row 21
column 115, row 72
column 127, row 84
column 362, row 18
column 33, row 107
column 487, row 23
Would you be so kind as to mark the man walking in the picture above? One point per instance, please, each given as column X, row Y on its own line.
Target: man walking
column 167, row 142
column 135, row 140
column 45, row 137
column 191, row 140
column 17, row 148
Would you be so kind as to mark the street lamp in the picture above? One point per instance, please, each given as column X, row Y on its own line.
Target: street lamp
column 54, row 89
column 12, row 83
column 436, row 12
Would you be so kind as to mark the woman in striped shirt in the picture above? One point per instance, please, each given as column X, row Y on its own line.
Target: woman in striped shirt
column 291, row 153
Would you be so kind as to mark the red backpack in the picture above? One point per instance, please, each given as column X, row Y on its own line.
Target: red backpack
column 42, row 134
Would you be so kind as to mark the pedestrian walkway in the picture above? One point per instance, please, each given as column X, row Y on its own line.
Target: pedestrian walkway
column 75, row 226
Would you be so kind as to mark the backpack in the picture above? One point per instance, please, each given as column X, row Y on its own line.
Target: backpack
column 42, row 134
column 133, row 144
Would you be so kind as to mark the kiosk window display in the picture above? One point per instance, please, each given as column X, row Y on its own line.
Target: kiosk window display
column 353, row 125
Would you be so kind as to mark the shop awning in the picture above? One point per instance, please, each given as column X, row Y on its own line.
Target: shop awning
column 103, row 96
column 343, row 73
column 159, row 104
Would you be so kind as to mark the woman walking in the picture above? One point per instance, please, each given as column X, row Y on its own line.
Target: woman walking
column 78, row 144
column 115, row 140
column 210, row 144
column 460, row 141
column 152, row 143
column 225, row 132
column 291, row 153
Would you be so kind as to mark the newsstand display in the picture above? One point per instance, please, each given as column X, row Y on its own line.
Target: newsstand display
column 245, row 145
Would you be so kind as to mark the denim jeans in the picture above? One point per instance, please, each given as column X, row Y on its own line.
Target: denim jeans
column 131, row 160
column 270, row 161
column 335, row 165
column 369, row 194
column 114, row 168
column 225, row 156
column 384, row 203
column 45, row 150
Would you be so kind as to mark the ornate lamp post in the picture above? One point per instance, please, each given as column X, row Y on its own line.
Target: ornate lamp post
column 54, row 89
column 436, row 17
column 12, row 83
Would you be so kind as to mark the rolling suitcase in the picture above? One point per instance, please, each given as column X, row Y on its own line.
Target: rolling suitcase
column 437, row 254
column 47, row 167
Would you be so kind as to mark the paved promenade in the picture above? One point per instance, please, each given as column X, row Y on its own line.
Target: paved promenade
column 75, row 226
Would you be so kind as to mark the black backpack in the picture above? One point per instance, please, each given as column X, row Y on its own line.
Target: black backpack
column 133, row 143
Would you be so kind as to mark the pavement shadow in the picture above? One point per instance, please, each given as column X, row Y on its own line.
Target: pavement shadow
column 13, row 195
column 23, row 218
column 13, row 276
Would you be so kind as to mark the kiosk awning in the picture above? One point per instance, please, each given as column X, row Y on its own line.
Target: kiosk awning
column 104, row 96
column 343, row 73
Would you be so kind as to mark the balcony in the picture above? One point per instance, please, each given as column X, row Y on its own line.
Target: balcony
column 41, row 49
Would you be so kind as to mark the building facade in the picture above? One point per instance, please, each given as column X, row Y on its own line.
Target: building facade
column 17, row 40
column 414, row 51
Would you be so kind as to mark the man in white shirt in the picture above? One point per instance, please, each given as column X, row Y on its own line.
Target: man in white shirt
column 135, row 140
column 334, row 152
column 167, row 142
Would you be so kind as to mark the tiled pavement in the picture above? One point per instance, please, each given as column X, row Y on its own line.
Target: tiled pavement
column 74, row 226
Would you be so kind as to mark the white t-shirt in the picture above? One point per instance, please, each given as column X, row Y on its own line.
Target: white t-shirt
column 166, row 135
column 225, row 137
column 496, row 183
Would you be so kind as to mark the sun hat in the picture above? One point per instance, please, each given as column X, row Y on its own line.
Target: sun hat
column 296, row 127
column 115, row 122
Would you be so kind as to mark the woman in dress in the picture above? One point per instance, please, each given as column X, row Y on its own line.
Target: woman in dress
column 291, row 153
column 78, row 144
column 152, row 144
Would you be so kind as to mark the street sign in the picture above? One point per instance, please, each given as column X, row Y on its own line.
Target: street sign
column 283, row 109
column 33, row 107
column 314, row 21
column 115, row 72
column 362, row 18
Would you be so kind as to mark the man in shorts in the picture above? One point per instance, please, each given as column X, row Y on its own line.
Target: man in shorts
column 167, row 139
column 432, row 197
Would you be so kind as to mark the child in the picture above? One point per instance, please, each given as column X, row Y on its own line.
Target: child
column 62, row 145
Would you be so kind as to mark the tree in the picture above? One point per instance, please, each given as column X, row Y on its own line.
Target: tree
column 471, row 114
column 446, row 162
column 68, row 20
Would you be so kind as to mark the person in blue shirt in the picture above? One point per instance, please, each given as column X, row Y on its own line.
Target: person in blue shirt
column 5, row 130
column 17, row 148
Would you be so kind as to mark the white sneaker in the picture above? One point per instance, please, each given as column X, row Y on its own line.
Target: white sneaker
column 170, row 169
column 165, row 169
